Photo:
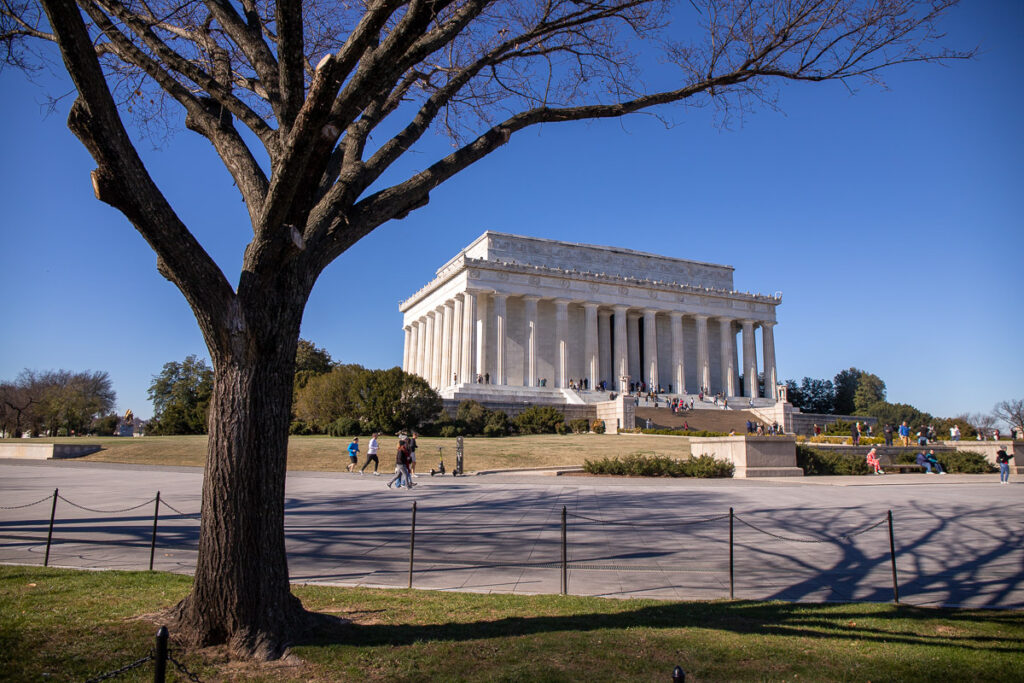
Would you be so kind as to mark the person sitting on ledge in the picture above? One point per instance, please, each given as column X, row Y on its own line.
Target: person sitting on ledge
column 873, row 462
column 934, row 462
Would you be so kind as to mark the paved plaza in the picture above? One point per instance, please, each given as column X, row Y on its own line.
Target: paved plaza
column 958, row 537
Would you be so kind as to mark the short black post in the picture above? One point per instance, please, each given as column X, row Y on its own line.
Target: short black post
column 732, row 568
column 412, row 541
column 160, row 656
column 565, row 570
column 49, row 536
column 156, row 516
column 678, row 675
column 892, row 557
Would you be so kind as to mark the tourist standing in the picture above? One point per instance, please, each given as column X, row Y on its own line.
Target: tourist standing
column 1003, row 460
column 905, row 433
column 353, row 454
column 855, row 433
column 371, row 454
column 954, row 432
column 887, row 433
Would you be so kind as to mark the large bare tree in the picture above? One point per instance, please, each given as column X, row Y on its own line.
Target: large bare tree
column 309, row 103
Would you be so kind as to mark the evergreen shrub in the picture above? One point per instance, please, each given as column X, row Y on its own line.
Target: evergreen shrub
column 817, row 462
column 581, row 426
column 636, row 465
column 955, row 462
column 539, row 420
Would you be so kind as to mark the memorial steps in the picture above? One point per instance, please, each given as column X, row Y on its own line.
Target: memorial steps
column 510, row 393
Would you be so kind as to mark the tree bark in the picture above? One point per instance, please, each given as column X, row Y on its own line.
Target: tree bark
column 241, row 593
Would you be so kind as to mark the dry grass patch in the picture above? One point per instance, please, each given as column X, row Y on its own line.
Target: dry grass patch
column 328, row 454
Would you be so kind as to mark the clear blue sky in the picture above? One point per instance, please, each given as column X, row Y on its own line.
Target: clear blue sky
column 891, row 220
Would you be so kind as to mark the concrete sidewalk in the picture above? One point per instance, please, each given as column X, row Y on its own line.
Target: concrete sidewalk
column 958, row 537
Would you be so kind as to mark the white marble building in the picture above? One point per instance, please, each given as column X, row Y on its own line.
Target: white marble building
column 522, row 312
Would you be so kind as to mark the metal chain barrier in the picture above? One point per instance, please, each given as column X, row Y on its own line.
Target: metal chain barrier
column 183, row 669
column 28, row 505
column 125, row 669
column 842, row 537
column 170, row 507
column 106, row 512
column 676, row 522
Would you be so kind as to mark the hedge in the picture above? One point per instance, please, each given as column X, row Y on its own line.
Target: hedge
column 704, row 466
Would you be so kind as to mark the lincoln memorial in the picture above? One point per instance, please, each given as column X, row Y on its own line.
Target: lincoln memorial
column 524, row 318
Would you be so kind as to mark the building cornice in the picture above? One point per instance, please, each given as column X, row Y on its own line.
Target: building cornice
column 462, row 263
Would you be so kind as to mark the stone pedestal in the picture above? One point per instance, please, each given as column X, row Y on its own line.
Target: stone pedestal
column 752, row 456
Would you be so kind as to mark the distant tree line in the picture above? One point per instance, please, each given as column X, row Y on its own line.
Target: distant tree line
column 57, row 403
column 857, row 392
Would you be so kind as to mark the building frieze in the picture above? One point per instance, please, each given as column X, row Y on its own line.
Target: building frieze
column 478, row 270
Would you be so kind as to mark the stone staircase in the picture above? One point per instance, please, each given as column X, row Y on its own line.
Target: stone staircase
column 698, row 419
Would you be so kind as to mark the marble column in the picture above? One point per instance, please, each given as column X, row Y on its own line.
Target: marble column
column 435, row 362
column 405, row 350
column 467, row 373
column 591, row 369
column 428, row 351
column 651, row 349
column 500, row 329
column 703, row 360
column 530, row 335
column 456, row 370
column 483, row 311
column 771, row 380
column 728, row 369
column 562, row 342
column 749, row 360
column 621, row 365
column 414, row 349
column 421, row 348
column 447, row 315
column 678, row 357
column 633, row 345
column 604, row 348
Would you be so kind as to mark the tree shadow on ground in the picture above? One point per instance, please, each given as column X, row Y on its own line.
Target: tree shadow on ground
column 739, row 618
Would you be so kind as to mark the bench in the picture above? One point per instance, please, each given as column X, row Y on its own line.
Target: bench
column 903, row 467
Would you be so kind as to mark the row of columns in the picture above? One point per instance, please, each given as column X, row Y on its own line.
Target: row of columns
column 449, row 345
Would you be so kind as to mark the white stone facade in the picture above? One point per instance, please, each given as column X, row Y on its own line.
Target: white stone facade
column 522, row 311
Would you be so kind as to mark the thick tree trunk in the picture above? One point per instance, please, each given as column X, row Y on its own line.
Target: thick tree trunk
column 241, row 592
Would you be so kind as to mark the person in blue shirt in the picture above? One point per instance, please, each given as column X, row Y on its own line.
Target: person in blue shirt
column 905, row 434
column 353, row 454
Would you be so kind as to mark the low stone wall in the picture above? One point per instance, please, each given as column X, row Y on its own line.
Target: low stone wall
column 752, row 456
column 887, row 454
column 47, row 451
column 803, row 423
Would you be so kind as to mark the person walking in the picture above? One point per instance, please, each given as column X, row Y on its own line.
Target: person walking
column 411, row 444
column 1003, row 460
column 371, row 454
column 401, row 466
column 353, row 454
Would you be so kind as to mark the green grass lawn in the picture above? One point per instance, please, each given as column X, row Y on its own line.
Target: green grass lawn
column 64, row 625
column 327, row 454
